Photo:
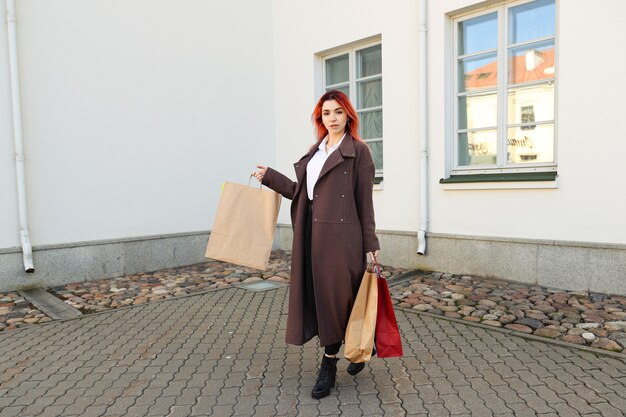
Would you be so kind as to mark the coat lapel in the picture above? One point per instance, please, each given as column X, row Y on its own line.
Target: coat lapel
column 346, row 150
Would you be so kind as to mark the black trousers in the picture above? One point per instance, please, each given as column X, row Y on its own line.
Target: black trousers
column 308, row 274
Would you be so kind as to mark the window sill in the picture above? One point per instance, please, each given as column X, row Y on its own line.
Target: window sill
column 502, row 181
column 501, row 177
column 378, row 183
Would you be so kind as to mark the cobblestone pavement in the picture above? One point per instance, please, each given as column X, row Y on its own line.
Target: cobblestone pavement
column 222, row 353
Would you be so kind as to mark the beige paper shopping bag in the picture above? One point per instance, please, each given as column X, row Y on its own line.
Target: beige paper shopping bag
column 243, row 230
column 359, row 339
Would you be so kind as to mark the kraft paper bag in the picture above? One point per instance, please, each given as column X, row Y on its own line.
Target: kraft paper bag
column 359, row 339
column 243, row 230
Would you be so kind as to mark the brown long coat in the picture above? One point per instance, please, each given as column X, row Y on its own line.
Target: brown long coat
column 343, row 231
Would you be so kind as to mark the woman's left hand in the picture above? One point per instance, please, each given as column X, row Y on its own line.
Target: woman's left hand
column 260, row 173
column 373, row 254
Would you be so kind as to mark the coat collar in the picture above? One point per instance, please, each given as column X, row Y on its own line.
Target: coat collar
column 346, row 148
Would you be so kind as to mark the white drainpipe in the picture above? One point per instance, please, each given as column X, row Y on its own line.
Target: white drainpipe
column 19, row 140
column 423, row 30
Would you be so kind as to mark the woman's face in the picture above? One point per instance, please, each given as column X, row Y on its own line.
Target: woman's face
column 334, row 117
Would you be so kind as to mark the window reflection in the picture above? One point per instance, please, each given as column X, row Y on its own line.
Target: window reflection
column 370, row 94
column 532, row 20
column 337, row 70
column 478, row 111
column 377, row 153
column 478, row 72
column 477, row 148
column 540, row 97
column 531, row 62
column 370, row 61
column 478, row 34
column 344, row 89
column 526, row 146
column 371, row 124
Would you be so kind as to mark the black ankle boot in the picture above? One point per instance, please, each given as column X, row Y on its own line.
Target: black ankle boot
column 354, row 368
column 326, row 377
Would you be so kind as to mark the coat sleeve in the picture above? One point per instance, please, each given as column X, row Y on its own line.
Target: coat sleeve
column 279, row 183
column 365, row 206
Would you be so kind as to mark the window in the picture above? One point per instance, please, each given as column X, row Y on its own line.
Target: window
column 358, row 73
column 505, row 73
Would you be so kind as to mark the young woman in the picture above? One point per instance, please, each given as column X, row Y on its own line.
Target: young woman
column 332, row 216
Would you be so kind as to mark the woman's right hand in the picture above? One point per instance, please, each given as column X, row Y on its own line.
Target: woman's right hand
column 260, row 173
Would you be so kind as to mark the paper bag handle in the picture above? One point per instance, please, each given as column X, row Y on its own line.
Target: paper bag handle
column 250, row 179
column 376, row 266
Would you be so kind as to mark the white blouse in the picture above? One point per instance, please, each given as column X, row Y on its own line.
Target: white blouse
column 314, row 167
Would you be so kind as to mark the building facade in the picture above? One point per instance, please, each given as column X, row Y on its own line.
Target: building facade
column 490, row 132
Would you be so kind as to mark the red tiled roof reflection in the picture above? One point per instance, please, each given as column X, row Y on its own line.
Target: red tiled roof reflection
column 533, row 65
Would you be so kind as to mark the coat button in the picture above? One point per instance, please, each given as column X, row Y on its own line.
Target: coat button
column 345, row 172
column 297, row 166
column 316, row 219
column 315, row 195
column 342, row 195
column 341, row 219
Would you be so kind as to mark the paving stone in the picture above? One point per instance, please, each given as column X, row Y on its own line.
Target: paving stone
column 437, row 410
column 245, row 405
column 100, row 410
column 346, row 411
column 537, row 403
column 393, row 410
column 223, row 411
column 578, row 403
column 204, row 405
column 454, row 404
column 11, row 411
column 388, row 394
column 608, row 410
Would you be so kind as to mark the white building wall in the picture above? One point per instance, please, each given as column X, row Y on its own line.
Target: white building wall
column 134, row 113
column 304, row 29
column 588, row 203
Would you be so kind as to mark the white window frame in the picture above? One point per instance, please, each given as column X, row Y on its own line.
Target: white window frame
column 351, row 51
column 502, row 126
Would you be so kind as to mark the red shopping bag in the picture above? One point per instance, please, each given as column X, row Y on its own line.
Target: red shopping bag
column 388, row 342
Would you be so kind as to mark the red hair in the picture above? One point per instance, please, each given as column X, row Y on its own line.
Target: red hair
column 353, row 118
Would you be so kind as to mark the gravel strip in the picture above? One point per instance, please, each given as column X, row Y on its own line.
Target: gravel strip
column 17, row 312
column 593, row 319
